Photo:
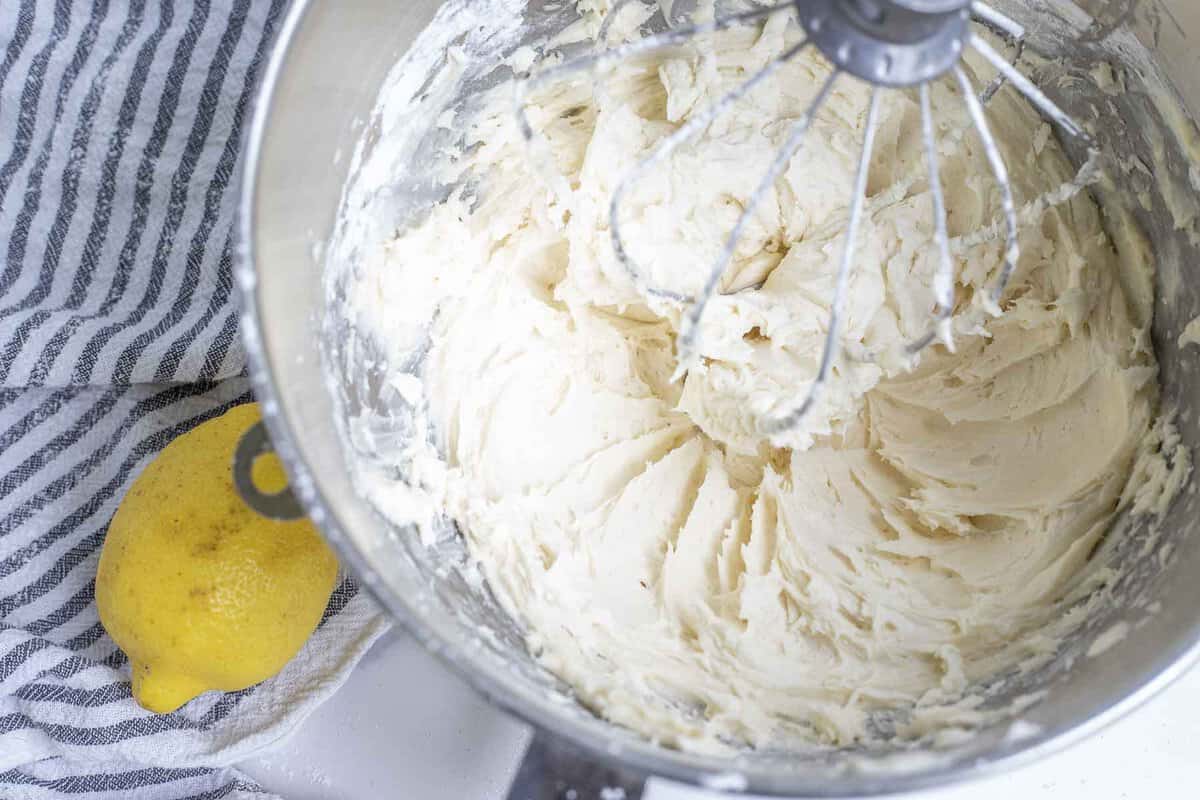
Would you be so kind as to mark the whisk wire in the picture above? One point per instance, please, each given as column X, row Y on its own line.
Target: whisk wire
column 662, row 151
column 832, row 337
column 943, row 281
column 689, row 330
column 649, row 44
column 1007, row 27
column 1026, row 87
column 990, row 16
column 1012, row 247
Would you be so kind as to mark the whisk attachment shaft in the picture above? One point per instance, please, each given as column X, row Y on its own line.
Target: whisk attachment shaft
column 777, row 425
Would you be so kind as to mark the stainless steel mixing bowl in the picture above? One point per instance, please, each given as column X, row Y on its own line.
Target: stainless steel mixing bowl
column 315, row 106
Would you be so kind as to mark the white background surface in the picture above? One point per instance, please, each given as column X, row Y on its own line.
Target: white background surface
column 403, row 727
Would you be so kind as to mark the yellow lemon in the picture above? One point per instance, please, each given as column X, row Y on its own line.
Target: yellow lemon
column 198, row 590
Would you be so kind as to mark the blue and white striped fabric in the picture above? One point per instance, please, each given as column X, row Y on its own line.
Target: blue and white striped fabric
column 120, row 128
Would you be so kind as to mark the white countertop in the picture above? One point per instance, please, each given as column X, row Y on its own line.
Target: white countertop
column 404, row 727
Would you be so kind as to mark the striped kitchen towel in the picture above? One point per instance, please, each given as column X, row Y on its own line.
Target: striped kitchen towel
column 120, row 131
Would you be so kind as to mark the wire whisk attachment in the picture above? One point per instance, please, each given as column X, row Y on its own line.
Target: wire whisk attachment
column 891, row 44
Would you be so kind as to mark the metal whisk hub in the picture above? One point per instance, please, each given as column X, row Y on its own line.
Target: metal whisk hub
column 888, row 42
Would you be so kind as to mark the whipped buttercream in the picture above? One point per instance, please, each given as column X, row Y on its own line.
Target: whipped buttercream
column 921, row 530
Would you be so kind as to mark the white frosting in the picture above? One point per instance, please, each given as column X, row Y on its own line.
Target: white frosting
column 1191, row 333
column 686, row 576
